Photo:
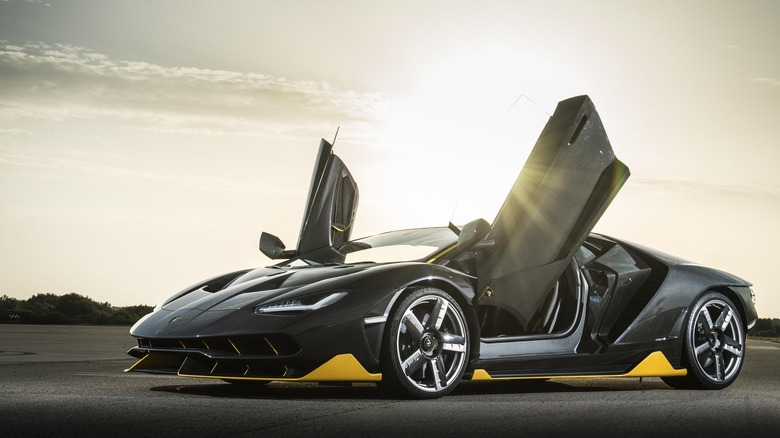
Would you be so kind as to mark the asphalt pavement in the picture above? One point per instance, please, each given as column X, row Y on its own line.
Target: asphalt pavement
column 69, row 381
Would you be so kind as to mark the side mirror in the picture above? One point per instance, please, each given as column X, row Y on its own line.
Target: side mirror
column 472, row 235
column 273, row 248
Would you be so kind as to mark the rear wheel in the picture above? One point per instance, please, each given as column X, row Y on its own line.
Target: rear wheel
column 714, row 344
column 426, row 346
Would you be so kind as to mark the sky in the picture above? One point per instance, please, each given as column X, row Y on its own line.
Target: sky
column 145, row 145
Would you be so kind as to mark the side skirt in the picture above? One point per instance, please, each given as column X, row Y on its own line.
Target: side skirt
column 654, row 365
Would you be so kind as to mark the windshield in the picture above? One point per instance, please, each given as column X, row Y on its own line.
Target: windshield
column 397, row 246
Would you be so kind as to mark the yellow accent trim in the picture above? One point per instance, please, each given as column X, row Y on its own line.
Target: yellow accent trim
column 654, row 365
column 154, row 361
column 340, row 368
column 343, row 367
column 338, row 229
column 271, row 345
column 247, row 370
column 212, row 368
column 135, row 365
column 182, row 344
column 439, row 255
column 234, row 347
column 480, row 374
column 204, row 343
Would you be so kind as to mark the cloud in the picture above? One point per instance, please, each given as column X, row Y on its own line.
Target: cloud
column 772, row 82
column 60, row 82
column 700, row 187
column 38, row 2
column 92, row 166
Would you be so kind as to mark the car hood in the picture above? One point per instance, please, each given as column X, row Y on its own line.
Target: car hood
column 211, row 305
column 262, row 285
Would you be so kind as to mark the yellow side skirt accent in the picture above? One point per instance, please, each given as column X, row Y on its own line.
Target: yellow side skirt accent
column 341, row 368
column 654, row 365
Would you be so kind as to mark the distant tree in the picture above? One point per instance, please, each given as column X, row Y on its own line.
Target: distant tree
column 42, row 304
column 76, row 306
column 764, row 327
column 10, row 309
column 135, row 312
column 70, row 308
column 7, row 302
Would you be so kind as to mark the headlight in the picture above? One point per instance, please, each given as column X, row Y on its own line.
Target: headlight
column 301, row 304
column 753, row 296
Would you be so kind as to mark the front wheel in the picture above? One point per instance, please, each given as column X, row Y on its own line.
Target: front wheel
column 714, row 344
column 426, row 346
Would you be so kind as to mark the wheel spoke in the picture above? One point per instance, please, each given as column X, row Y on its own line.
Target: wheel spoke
column 707, row 360
column 442, row 371
column 453, row 342
column 439, row 373
column 708, row 326
column 732, row 346
column 436, row 381
column 413, row 362
column 437, row 314
column 719, row 367
column 701, row 350
column 732, row 350
column 411, row 322
column 731, row 341
column 723, row 322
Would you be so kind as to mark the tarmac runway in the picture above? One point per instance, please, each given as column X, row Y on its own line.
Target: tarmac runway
column 69, row 381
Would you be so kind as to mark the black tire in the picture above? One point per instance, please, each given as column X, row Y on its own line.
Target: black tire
column 714, row 347
column 426, row 345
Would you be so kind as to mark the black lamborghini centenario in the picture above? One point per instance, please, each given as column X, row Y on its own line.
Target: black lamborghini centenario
column 534, row 294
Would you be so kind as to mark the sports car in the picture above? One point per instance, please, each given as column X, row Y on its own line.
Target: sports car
column 534, row 294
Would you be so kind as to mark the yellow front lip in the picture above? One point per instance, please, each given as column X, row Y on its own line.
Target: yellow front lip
column 340, row 368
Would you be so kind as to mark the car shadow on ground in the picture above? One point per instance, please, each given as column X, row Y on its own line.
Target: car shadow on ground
column 371, row 391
